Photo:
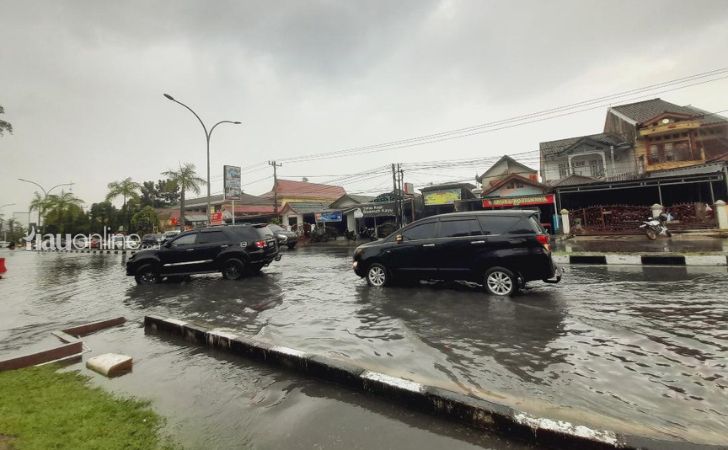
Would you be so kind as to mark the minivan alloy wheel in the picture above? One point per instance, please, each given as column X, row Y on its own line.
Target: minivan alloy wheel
column 500, row 282
column 377, row 275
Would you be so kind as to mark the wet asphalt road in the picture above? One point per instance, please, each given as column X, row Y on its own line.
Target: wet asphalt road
column 642, row 350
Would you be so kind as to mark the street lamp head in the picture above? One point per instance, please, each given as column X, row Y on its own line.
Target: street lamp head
column 169, row 97
column 237, row 123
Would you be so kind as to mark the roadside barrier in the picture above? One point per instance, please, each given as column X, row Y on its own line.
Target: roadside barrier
column 469, row 410
column 642, row 259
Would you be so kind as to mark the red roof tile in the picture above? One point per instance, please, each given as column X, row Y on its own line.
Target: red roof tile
column 304, row 189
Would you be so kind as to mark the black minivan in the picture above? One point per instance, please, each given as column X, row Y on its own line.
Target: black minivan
column 500, row 249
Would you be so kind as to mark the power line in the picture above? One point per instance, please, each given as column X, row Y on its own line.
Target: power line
column 519, row 120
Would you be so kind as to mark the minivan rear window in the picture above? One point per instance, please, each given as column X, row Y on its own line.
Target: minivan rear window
column 498, row 224
column 459, row 228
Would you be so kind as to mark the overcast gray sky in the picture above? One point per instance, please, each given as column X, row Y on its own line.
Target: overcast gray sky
column 82, row 81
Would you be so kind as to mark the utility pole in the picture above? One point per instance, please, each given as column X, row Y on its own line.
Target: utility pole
column 396, row 196
column 275, row 186
column 402, row 199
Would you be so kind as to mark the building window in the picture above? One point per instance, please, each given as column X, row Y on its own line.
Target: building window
column 596, row 168
column 668, row 149
column 653, row 156
column 563, row 170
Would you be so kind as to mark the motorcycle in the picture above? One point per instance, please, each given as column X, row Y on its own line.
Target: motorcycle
column 656, row 226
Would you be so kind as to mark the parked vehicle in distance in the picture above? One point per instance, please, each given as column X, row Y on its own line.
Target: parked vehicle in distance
column 232, row 250
column 152, row 240
column 285, row 237
column 502, row 250
column 656, row 226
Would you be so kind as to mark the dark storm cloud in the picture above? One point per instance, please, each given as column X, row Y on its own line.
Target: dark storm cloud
column 82, row 80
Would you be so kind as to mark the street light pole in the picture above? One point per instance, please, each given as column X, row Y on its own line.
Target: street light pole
column 208, row 134
column 45, row 193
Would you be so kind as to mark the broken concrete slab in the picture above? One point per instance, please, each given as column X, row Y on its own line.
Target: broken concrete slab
column 110, row 364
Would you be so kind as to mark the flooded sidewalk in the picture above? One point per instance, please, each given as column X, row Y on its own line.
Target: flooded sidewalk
column 690, row 244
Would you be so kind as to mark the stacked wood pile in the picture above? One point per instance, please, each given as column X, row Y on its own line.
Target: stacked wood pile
column 616, row 218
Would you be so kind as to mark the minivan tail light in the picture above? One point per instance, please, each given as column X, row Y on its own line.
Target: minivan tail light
column 543, row 239
column 260, row 244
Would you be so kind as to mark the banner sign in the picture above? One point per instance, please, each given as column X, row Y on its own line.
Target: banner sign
column 328, row 216
column 216, row 218
column 377, row 209
column 231, row 182
column 507, row 202
column 443, row 197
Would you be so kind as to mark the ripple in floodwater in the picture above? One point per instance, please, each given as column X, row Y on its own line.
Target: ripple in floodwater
column 644, row 349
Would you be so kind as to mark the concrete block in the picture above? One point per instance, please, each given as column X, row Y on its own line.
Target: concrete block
column 616, row 258
column 561, row 259
column 706, row 260
column 110, row 364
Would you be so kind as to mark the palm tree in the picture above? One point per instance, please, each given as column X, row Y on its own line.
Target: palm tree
column 187, row 180
column 60, row 206
column 39, row 204
column 125, row 188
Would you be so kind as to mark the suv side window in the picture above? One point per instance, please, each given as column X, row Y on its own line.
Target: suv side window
column 187, row 239
column 421, row 231
column 498, row 224
column 459, row 228
column 211, row 237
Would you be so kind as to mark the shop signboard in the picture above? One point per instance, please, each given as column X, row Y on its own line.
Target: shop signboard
column 442, row 197
column 384, row 209
column 509, row 202
column 231, row 182
column 328, row 216
column 216, row 218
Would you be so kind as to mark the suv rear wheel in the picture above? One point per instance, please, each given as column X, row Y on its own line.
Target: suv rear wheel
column 500, row 281
column 377, row 275
column 232, row 269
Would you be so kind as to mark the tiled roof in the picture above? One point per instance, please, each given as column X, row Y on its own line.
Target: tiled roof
column 515, row 177
column 293, row 188
column 553, row 147
column 305, row 207
column 648, row 109
column 573, row 180
column 245, row 199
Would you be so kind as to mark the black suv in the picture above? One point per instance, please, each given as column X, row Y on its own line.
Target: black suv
column 232, row 250
column 500, row 249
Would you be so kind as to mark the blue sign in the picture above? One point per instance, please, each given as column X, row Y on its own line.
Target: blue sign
column 329, row 216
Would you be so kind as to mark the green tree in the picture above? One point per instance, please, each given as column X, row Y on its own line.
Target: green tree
column 162, row 194
column 5, row 126
column 187, row 180
column 39, row 203
column 145, row 221
column 125, row 189
column 64, row 213
column 102, row 215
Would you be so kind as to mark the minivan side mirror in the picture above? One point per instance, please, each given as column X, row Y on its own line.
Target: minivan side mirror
column 399, row 238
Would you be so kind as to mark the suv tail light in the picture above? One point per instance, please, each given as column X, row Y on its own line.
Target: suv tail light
column 543, row 239
column 260, row 244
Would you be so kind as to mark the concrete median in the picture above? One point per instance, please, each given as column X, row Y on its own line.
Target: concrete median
column 468, row 410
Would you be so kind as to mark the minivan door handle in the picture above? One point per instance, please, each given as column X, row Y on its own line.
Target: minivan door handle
column 428, row 245
column 190, row 249
column 477, row 242
column 224, row 246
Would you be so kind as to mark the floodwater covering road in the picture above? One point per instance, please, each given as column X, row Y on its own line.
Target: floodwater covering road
column 640, row 350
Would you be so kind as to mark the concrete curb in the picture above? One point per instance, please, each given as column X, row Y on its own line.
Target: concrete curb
column 642, row 259
column 468, row 410
column 72, row 345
